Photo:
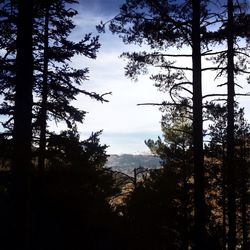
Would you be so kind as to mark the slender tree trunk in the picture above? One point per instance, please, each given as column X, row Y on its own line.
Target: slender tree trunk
column 224, row 205
column 43, row 114
column 22, row 133
column 185, row 203
column 199, row 196
column 244, row 221
column 230, row 132
column 243, row 189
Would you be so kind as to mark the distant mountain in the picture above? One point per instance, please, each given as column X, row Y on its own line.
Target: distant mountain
column 126, row 163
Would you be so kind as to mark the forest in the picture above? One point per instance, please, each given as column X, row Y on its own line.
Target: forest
column 55, row 189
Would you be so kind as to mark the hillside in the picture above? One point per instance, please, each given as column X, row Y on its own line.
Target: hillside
column 127, row 162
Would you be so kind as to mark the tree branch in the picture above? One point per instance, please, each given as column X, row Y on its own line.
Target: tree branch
column 174, row 67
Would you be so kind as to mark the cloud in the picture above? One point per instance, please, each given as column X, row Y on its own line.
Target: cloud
column 125, row 125
column 101, row 7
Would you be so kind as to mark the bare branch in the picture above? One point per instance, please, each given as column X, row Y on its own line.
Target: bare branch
column 212, row 95
column 247, row 94
column 174, row 67
column 237, row 94
column 242, row 53
column 213, row 68
column 222, row 84
column 209, row 53
column 175, row 55
column 96, row 96
column 182, row 83
column 164, row 104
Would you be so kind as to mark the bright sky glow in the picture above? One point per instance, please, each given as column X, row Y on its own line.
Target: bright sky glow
column 125, row 125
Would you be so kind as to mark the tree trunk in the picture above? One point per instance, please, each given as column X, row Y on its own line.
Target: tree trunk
column 22, row 133
column 43, row 114
column 224, row 203
column 244, row 193
column 244, row 221
column 230, row 132
column 199, row 196
column 185, row 242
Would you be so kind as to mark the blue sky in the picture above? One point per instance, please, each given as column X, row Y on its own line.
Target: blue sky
column 125, row 125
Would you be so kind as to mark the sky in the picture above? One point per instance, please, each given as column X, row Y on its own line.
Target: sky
column 125, row 125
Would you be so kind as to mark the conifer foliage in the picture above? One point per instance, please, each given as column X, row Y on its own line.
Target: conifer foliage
column 38, row 85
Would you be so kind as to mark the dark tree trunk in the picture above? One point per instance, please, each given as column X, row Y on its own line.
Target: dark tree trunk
column 244, row 221
column 230, row 132
column 244, row 196
column 199, row 197
column 185, row 242
column 43, row 114
column 22, row 133
column 224, row 204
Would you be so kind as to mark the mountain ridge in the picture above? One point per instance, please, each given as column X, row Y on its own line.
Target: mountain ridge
column 126, row 163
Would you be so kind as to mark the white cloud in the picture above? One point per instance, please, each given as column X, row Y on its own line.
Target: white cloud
column 125, row 124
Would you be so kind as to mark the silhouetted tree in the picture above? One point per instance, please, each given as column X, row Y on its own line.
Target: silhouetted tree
column 216, row 166
column 162, row 25
column 175, row 152
column 152, row 213
column 231, row 62
column 216, row 153
column 8, row 28
column 22, row 131
column 230, row 131
column 58, row 83
column 74, row 211
column 242, row 131
column 39, row 30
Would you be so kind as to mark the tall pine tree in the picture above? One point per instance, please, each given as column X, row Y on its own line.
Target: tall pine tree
column 22, row 132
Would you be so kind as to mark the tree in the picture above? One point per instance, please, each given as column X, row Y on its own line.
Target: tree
column 216, row 155
column 175, row 152
column 230, row 131
column 74, row 211
column 8, row 26
column 233, row 61
column 199, row 188
column 37, row 64
column 242, row 130
column 22, row 132
column 161, row 25
column 57, row 84
column 230, row 127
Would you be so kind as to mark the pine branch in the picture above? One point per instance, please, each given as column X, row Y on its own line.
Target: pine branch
column 96, row 96
column 164, row 104
column 174, row 67
column 209, row 53
column 237, row 94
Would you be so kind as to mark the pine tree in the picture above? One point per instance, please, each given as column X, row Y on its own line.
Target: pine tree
column 216, row 152
column 58, row 83
column 22, row 132
column 231, row 62
column 161, row 25
column 175, row 152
